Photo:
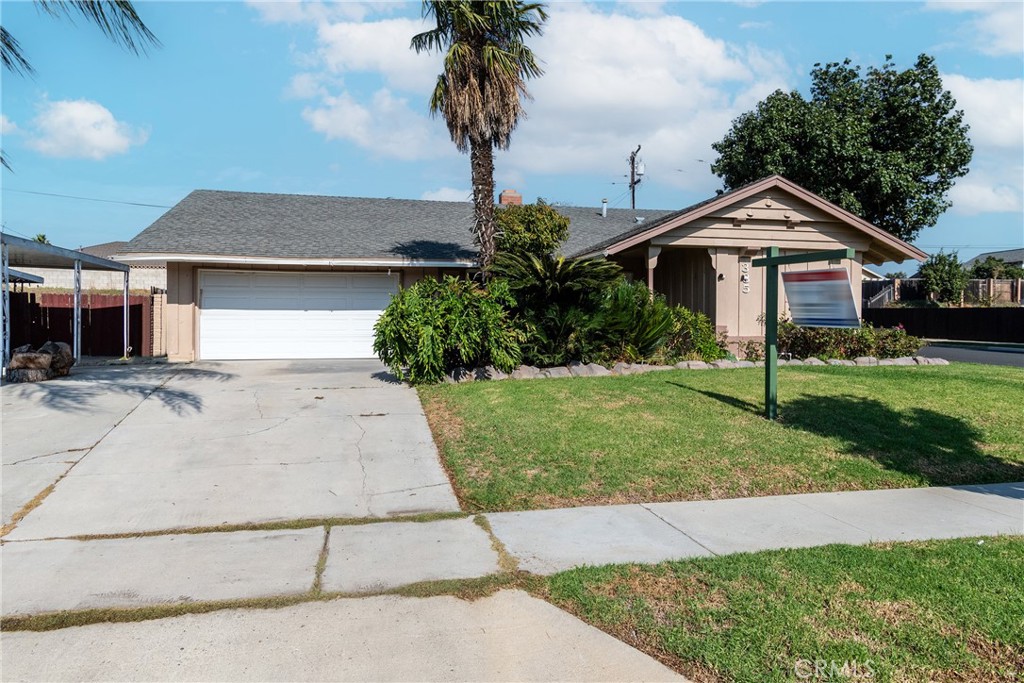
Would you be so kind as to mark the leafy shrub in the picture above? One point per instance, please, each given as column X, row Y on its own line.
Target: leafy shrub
column 557, row 300
column 631, row 325
column 435, row 326
column 945, row 277
column 752, row 350
column 843, row 343
column 535, row 229
column 692, row 337
column 996, row 269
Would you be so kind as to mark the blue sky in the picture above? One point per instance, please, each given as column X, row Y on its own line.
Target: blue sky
column 326, row 98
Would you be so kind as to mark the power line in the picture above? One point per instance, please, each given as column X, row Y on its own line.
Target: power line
column 89, row 199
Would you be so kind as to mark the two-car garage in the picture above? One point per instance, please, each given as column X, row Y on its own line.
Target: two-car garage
column 274, row 314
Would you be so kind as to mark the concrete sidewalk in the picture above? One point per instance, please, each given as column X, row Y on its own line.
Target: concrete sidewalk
column 549, row 541
column 52, row 575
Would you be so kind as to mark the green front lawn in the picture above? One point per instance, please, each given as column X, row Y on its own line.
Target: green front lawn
column 688, row 435
column 931, row 611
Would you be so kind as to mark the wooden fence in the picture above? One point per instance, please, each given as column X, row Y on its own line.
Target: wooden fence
column 964, row 324
column 978, row 292
column 37, row 318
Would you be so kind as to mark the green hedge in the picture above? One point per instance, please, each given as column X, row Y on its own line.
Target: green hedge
column 846, row 344
column 435, row 326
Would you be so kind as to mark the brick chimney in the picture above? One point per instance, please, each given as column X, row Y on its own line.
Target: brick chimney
column 510, row 197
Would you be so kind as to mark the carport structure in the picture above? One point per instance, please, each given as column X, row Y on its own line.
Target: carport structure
column 20, row 252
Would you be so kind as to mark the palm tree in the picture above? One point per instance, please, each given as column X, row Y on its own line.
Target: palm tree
column 481, row 89
column 116, row 18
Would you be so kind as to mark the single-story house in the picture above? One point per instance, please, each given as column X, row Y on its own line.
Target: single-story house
column 1012, row 257
column 252, row 275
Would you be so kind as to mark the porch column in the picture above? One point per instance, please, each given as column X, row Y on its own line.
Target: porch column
column 76, row 323
column 6, row 278
column 652, row 263
column 126, row 348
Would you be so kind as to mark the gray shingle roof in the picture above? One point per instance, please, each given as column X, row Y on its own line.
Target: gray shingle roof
column 309, row 226
column 1009, row 256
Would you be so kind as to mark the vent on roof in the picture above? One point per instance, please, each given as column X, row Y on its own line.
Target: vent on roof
column 638, row 219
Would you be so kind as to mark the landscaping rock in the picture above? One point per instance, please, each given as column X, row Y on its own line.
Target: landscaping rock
column 744, row 364
column 886, row 361
column 595, row 370
column 795, row 361
column 489, row 373
column 621, row 369
column 17, row 375
column 658, row 368
column 813, row 361
column 559, row 371
column 838, row 361
column 459, row 375
column 577, row 369
column 780, row 362
column 758, row 363
column 63, row 359
column 525, row 372
column 939, row 361
column 30, row 361
column 698, row 365
column 723, row 364
column 905, row 360
column 865, row 360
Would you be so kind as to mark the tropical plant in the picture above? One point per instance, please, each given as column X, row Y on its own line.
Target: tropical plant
column 116, row 18
column 536, row 229
column 556, row 301
column 435, row 326
column 481, row 88
column 631, row 325
column 692, row 337
column 41, row 238
column 886, row 146
column 945, row 277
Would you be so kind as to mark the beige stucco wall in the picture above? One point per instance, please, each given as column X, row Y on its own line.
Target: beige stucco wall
column 733, row 237
column 182, row 316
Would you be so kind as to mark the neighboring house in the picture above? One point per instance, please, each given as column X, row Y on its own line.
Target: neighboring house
column 294, row 276
column 1012, row 257
column 141, row 277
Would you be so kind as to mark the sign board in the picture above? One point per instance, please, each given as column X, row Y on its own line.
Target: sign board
column 821, row 298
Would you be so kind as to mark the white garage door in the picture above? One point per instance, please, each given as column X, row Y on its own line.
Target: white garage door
column 253, row 315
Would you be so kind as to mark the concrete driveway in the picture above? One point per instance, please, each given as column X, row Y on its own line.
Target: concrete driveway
column 148, row 448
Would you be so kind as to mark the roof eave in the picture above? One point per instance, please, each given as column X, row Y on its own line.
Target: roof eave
column 368, row 262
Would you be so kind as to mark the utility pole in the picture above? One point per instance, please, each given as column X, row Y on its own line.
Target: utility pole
column 636, row 174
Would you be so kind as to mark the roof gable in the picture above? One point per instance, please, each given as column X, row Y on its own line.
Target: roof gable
column 881, row 245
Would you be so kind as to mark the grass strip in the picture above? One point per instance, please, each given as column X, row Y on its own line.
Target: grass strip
column 949, row 610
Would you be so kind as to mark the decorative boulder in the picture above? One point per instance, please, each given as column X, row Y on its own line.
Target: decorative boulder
column 621, row 369
column 905, row 360
column 745, row 364
column 697, row 365
column 795, row 361
column 488, row 373
column 458, row 375
column 595, row 370
column 30, row 360
column 723, row 364
column 939, row 361
column 813, row 361
column 63, row 359
column 865, row 360
column 558, row 371
column 525, row 372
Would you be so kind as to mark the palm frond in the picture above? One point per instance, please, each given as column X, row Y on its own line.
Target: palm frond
column 11, row 55
column 116, row 18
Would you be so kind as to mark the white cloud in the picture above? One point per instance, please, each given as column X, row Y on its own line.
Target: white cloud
column 972, row 196
column 996, row 27
column 385, row 125
column 7, row 127
column 447, row 194
column 82, row 129
column 993, row 108
column 612, row 80
column 755, row 25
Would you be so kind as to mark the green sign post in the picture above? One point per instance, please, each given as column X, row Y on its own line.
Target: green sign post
column 771, row 263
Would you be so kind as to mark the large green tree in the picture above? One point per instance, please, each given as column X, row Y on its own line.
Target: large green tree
column 116, row 18
column 482, row 86
column 886, row 145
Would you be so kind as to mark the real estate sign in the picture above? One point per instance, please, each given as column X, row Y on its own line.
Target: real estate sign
column 821, row 298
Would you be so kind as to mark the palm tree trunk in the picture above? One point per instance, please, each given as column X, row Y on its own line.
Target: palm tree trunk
column 481, row 159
